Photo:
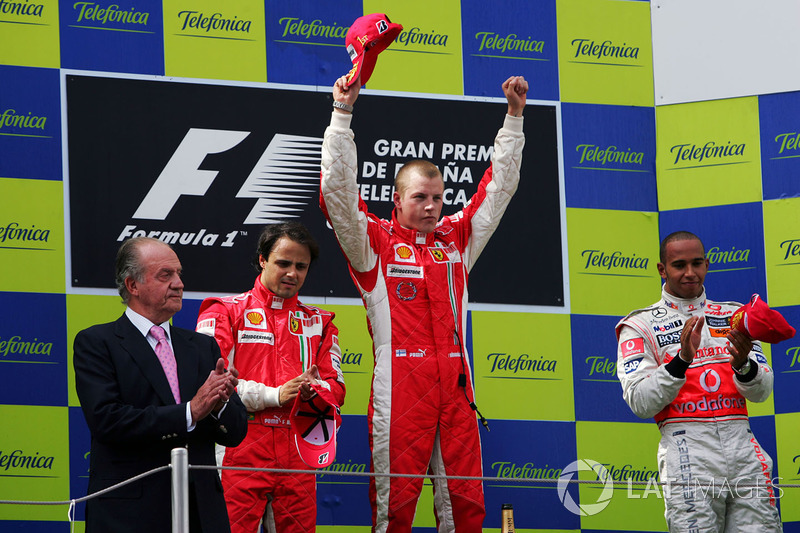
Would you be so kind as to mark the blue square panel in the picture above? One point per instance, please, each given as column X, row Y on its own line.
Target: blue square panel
column 598, row 393
column 112, row 37
column 30, row 123
column 33, row 342
column 609, row 157
column 525, row 452
column 780, row 144
column 786, row 364
column 506, row 38
column 306, row 40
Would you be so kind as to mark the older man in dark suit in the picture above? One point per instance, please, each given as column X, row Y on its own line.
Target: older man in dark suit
column 147, row 387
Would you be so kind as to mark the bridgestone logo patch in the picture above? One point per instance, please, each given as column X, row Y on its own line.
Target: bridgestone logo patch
column 256, row 336
column 404, row 271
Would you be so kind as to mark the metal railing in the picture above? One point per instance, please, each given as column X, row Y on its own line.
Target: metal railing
column 180, row 466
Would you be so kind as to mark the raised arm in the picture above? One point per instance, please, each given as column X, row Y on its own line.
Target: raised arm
column 516, row 90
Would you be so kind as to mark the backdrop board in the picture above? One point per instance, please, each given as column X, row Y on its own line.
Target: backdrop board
column 205, row 167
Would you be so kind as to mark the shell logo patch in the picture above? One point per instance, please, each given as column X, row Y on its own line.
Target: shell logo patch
column 255, row 318
column 404, row 253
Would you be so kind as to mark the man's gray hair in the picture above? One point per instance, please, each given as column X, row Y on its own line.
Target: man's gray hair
column 128, row 264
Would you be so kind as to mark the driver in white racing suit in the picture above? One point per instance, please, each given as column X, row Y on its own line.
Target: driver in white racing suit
column 679, row 362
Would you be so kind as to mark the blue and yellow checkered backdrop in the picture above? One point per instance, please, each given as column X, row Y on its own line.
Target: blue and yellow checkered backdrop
column 88, row 106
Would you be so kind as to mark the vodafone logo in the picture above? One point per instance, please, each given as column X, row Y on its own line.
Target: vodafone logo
column 632, row 347
column 710, row 380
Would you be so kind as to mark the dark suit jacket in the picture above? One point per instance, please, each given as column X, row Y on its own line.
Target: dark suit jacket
column 135, row 423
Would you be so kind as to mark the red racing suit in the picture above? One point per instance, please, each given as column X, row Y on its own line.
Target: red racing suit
column 414, row 287
column 271, row 340
column 701, row 409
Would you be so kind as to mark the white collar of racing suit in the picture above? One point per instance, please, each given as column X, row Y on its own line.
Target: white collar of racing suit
column 684, row 305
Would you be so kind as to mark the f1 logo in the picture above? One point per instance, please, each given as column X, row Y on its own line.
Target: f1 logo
column 182, row 174
column 284, row 178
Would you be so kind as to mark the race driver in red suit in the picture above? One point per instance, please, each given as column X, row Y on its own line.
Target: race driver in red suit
column 279, row 346
column 412, row 274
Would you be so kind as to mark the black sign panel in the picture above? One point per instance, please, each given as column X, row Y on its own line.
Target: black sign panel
column 205, row 167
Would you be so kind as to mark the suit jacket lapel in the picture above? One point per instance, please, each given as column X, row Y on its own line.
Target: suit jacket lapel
column 145, row 358
column 186, row 356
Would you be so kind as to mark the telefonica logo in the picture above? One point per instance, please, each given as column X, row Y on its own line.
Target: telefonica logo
column 787, row 141
column 604, row 50
column 710, row 150
column 417, row 36
column 90, row 11
column 495, row 42
column 215, row 21
column 349, row 466
column 793, row 352
column 14, row 233
column 11, row 119
column 626, row 473
column 600, row 366
column 15, row 345
column 18, row 460
column 25, row 8
column 719, row 257
column 791, row 248
column 613, row 261
column 611, row 154
column 351, row 358
column 520, row 363
column 510, row 469
column 297, row 27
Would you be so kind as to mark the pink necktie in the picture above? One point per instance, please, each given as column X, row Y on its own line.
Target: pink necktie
column 167, row 358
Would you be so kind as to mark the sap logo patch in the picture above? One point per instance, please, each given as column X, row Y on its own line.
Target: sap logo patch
column 255, row 318
column 259, row 337
column 760, row 359
column 632, row 365
column 207, row 326
column 669, row 338
column 632, row 347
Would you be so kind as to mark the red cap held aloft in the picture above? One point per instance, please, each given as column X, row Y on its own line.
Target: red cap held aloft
column 761, row 323
column 367, row 37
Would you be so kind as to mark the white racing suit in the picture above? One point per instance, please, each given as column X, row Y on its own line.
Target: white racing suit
column 414, row 286
column 706, row 440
